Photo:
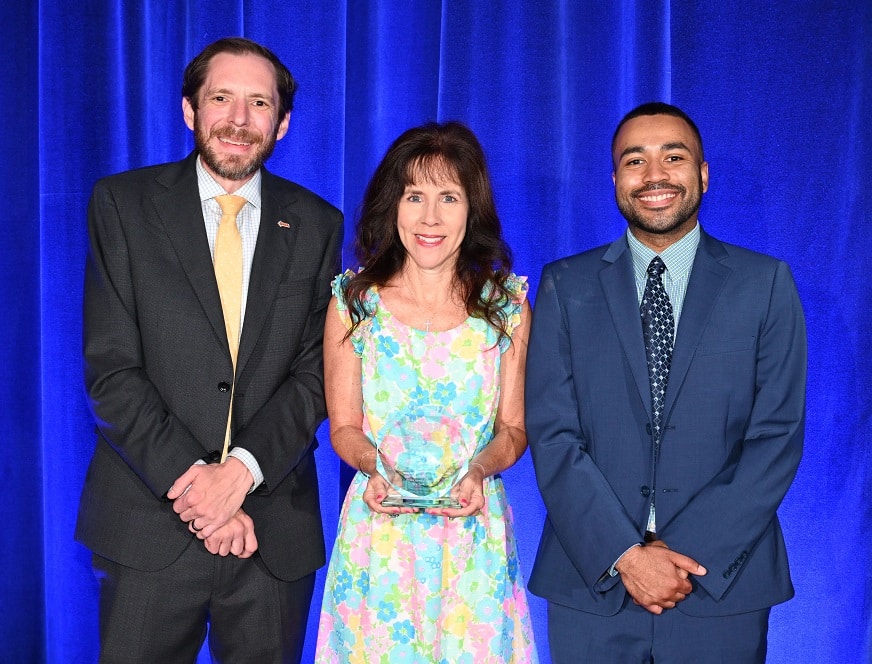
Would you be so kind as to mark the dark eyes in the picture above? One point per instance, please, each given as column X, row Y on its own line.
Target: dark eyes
column 417, row 198
column 671, row 159
column 220, row 99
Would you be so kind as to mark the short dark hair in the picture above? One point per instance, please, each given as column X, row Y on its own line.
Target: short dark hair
column 435, row 152
column 658, row 108
column 198, row 68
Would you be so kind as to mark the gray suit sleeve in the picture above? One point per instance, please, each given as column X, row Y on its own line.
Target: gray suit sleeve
column 130, row 413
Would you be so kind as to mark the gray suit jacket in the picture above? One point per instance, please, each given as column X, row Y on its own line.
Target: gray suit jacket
column 158, row 368
column 734, row 420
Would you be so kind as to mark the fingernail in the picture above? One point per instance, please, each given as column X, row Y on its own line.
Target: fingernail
column 464, row 502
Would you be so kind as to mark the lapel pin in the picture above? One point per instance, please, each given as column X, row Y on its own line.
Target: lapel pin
column 284, row 224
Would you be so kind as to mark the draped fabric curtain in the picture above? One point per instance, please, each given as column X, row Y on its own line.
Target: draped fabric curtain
column 782, row 92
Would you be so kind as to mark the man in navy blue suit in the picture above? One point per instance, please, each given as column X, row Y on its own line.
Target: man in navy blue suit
column 665, row 414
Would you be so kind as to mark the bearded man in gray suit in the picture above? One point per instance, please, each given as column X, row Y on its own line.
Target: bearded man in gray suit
column 187, row 530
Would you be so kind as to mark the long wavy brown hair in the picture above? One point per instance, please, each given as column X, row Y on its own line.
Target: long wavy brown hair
column 435, row 152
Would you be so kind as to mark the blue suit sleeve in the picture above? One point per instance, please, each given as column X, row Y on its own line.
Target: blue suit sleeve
column 589, row 521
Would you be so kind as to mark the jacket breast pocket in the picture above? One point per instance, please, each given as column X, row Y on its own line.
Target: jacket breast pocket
column 726, row 345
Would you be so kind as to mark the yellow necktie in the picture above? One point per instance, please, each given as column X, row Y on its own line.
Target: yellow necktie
column 228, row 273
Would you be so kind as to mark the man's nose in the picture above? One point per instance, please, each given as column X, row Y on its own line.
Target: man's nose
column 655, row 172
column 239, row 113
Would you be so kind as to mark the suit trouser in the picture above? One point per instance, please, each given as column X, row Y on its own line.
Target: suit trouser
column 162, row 616
column 635, row 635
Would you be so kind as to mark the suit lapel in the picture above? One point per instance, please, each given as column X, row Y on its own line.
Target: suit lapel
column 707, row 280
column 181, row 213
column 276, row 237
column 619, row 286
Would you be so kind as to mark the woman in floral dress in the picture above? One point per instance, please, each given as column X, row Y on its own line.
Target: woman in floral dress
column 424, row 352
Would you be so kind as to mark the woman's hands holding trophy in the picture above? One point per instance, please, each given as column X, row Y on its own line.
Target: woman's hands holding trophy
column 389, row 492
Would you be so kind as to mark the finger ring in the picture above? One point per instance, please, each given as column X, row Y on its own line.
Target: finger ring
column 191, row 523
column 393, row 516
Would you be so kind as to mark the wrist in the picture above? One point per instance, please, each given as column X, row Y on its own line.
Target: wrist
column 366, row 462
column 247, row 459
column 624, row 558
column 241, row 471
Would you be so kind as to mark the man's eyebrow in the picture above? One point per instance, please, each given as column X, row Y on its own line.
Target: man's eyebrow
column 677, row 145
column 226, row 91
column 630, row 149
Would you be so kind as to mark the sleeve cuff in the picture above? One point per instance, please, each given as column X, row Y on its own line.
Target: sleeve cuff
column 612, row 570
column 609, row 579
column 250, row 462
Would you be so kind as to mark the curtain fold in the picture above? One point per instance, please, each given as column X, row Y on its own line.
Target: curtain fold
column 21, row 478
column 782, row 93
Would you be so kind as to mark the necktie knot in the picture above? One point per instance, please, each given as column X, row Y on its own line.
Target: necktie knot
column 656, row 267
column 230, row 205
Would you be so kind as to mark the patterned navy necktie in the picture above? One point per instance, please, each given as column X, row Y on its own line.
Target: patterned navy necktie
column 658, row 328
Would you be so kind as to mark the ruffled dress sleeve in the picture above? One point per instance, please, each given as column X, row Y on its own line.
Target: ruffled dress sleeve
column 517, row 287
column 357, row 337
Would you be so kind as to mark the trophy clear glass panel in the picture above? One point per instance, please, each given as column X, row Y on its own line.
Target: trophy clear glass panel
column 423, row 453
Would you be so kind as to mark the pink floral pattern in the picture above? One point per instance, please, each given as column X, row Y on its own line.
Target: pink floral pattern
column 418, row 587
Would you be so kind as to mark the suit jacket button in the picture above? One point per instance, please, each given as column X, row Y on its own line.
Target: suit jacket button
column 645, row 491
column 223, row 386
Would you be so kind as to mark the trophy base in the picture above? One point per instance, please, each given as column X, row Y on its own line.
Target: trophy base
column 420, row 502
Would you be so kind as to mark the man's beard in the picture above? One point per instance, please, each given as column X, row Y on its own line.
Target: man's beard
column 233, row 167
column 661, row 224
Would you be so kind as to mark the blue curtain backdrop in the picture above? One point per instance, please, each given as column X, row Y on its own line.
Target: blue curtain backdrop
column 782, row 92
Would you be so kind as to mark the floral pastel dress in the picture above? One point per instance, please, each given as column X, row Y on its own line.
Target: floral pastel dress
column 419, row 587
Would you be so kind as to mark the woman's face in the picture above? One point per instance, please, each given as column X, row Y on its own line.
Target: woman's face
column 431, row 220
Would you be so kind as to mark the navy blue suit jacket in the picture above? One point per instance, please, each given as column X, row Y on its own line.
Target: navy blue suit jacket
column 734, row 419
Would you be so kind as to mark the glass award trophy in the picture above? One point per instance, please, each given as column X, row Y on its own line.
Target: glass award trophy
column 416, row 456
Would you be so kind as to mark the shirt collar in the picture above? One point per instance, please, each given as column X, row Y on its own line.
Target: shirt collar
column 678, row 256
